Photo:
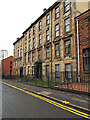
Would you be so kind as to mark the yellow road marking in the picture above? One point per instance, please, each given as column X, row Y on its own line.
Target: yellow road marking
column 52, row 102
column 38, row 93
column 65, row 102
column 24, row 88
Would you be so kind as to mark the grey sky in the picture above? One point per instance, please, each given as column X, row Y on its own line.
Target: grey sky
column 16, row 16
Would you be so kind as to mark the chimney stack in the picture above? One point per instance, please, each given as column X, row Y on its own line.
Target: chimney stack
column 17, row 38
column 44, row 9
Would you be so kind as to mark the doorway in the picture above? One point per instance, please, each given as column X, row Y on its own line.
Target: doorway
column 21, row 72
column 39, row 70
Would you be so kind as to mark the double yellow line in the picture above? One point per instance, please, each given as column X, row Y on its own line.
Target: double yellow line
column 74, row 111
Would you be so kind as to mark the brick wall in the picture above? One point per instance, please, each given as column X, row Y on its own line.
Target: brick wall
column 6, row 66
column 84, row 38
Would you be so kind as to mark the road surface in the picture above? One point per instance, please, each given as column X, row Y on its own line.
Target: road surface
column 18, row 103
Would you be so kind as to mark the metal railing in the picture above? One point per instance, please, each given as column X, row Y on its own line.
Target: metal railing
column 65, row 80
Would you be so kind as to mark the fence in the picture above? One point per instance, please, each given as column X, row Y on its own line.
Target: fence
column 62, row 80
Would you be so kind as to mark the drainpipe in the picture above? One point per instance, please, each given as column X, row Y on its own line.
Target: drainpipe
column 51, row 44
column 78, row 51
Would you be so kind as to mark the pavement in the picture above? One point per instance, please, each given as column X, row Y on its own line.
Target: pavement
column 77, row 100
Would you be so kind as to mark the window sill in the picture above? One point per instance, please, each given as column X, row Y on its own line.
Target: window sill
column 39, row 30
column 57, row 77
column 57, row 57
column 57, row 39
column 33, row 48
column 33, row 60
column 47, row 58
column 68, row 55
column 66, row 12
column 56, row 18
column 66, row 35
column 47, row 24
column 39, row 46
column 47, row 43
column 86, row 72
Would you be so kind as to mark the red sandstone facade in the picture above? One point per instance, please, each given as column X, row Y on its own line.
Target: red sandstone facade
column 84, row 42
column 7, row 66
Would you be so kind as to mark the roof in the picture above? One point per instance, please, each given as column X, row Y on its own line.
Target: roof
column 8, row 57
column 82, row 13
column 18, row 40
column 50, row 8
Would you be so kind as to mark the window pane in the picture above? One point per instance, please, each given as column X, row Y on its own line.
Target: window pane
column 57, row 30
column 68, row 71
column 57, row 73
column 47, row 19
column 57, row 50
column 57, row 33
column 47, row 37
column 40, row 36
column 47, row 71
column 33, row 70
column 33, row 56
column 47, row 32
column 28, row 70
column 57, row 27
column 39, row 54
column 57, row 10
column 67, row 28
column 57, row 16
column 67, row 47
column 33, row 42
column 86, row 59
column 47, row 52
column 66, row 8
column 66, row 2
column 67, row 21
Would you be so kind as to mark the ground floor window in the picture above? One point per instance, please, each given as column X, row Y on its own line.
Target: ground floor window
column 33, row 70
column 28, row 70
column 47, row 70
column 25, row 71
column 68, row 71
column 86, row 59
column 17, row 72
column 57, row 69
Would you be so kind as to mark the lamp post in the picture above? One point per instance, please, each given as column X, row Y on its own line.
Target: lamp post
column 2, row 65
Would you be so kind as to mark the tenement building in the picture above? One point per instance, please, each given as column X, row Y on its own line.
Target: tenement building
column 48, row 46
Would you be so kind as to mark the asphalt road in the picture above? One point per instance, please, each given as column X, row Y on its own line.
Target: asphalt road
column 18, row 104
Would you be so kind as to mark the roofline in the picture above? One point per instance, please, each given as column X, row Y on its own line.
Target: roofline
column 18, row 40
column 82, row 13
column 7, row 57
column 51, row 7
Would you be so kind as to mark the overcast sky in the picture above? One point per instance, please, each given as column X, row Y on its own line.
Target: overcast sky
column 16, row 16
